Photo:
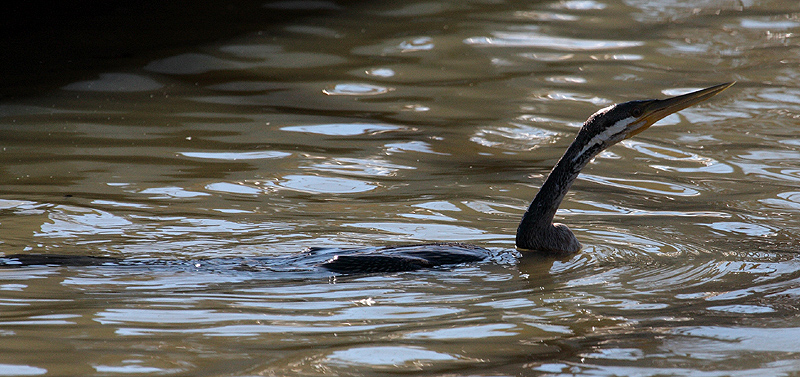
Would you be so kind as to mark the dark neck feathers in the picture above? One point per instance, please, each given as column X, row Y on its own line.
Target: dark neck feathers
column 536, row 231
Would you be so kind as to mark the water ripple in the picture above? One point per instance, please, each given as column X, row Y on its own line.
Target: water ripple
column 397, row 47
column 605, row 209
column 343, row 129
column 753, row 230
column 646, row 185
column 788, row 200
column 519, row 137
column 529, row 40
column 21, row 370
column 707, row 164
column 427, row 232
column 359, row 167
column 386, row 355
column 356, row 89
column 314, row 184
column 236, row 156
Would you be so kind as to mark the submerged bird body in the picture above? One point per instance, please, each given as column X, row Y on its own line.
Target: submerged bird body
column 405, row 258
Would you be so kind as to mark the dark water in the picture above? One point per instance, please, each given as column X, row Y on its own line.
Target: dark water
column 374, row 124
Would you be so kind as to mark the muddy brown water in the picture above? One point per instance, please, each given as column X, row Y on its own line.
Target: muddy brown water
column 372, row 124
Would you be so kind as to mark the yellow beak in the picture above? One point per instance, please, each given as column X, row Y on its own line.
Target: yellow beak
column 659, row 109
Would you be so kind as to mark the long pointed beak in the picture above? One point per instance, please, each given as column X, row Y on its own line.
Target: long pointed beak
column 659, row 109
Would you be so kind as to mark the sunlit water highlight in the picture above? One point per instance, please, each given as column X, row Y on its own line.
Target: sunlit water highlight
column 378, row 124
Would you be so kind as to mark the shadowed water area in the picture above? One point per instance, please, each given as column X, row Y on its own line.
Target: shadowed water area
column 369, row 124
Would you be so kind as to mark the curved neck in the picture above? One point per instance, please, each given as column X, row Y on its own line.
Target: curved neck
column 538, row 219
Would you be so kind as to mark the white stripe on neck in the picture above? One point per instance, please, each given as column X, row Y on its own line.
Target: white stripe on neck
column 606, row 135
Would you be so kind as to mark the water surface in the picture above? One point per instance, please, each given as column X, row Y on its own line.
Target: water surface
column 373, row 124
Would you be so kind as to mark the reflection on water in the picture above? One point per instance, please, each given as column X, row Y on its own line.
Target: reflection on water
column 376, row 124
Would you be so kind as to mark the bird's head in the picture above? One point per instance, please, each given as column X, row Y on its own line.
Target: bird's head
column 619, row 122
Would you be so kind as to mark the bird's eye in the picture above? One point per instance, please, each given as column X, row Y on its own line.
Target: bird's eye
column 636, row 112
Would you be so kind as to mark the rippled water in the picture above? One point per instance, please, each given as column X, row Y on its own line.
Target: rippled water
column 355, row 124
